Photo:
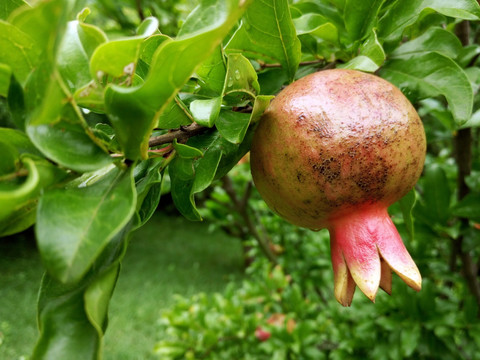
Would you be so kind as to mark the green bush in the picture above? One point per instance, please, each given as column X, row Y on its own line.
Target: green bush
column 293, row 301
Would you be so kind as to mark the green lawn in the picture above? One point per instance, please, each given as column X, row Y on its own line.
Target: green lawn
column 168, row 256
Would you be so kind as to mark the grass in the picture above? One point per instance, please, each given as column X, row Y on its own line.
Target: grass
column 168, row 256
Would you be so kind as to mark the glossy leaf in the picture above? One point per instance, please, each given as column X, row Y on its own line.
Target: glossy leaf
column 360, row 17
column 118, row 58
column 148, row 183
column 19, row 50
column 468, row 207
column 267, row 32
column 436, row 194
column 175, row 115
column 405, row 13
column 362, row 63
column 44, row 24
column 234, row 125
column 190, row 176
column 187, row 152
column 65, row 330
column 241, row 81
column 211, row 73
column 8, row 6
column 429, row 75
column 97, row 298
column 72, row 318
column 76, row 48
column 317, row 25
column 5, row 76
column 59, row 130
column 19, row 194
column 173, row 64
column 434, row 39
column 75, row 224
column 373, row 49
column 205, row 112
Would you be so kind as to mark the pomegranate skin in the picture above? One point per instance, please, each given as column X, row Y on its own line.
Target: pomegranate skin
column 333, row 141
column 334, row 150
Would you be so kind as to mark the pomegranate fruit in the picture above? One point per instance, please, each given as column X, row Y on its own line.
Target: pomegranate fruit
column 334, row 150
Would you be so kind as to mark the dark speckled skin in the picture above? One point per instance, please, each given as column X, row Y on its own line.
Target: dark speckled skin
column 334, row 141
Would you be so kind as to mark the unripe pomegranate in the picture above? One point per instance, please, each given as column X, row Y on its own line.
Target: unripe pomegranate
column 334, row 150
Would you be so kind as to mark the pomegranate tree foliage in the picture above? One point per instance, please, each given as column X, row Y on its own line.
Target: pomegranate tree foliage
column 92, row 119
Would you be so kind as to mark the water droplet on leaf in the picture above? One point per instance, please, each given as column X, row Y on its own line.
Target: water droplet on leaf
column 237, row 74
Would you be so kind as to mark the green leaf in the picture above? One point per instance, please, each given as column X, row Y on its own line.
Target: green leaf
column 76, row 48
column 241, row 81
column 205, row 112
column 19, row 141
column 65, row 331
column 468, row 207
column 211, row 73
column 430, row 75
column 173, row 64
column 44, row 24
column 8, row 6
column 72, row 318
column 190, row 176
column 59, row 130
column 75, row 224
column 372, row 49
column 118, row 58
column 175, row 115
column 233, row 125
column 317, row 25
column 90, row 96
column 5, row 76
column 260, row 105
column 267, row 32
column 97, row 297
column 406, row 205
column 186, row 152
column 16, row 103
column 434, row 39
column 360, row 17
column 18, row 51
column 19, row 195
column 436, row 194
column 405, row 13
column 150, row 45
column 362, row 63
column 409, row 339
column 148, row 184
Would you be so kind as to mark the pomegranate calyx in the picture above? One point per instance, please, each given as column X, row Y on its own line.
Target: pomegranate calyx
column 365, row 247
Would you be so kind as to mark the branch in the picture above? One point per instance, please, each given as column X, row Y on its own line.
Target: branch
column 140, row 13
column 182, row 135
column 242, row 209
column 463, row 154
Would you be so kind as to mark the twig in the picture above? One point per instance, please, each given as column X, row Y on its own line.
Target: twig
column 14, row 175
column 182, row 135
column 242, row 209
